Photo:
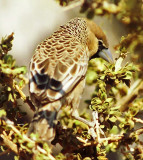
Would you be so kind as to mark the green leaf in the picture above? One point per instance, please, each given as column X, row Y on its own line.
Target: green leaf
column 30, row 145
column 91, row 76
column 21, row 83
column 113, row 119
column 16, row 157
column 20, row 70
column 2, row 113
column 114, row 130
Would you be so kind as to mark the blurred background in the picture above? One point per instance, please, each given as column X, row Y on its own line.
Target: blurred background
column 33, row 21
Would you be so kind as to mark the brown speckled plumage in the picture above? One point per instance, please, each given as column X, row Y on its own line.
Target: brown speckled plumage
column 58, row 69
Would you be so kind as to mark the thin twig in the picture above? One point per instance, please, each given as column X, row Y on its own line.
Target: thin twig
column 133, row 92
column 23, row 96
column 138, row 120
column 76, row 4
column 13, row 146
column 114, row 138
column 138, row 131
column 9, row 144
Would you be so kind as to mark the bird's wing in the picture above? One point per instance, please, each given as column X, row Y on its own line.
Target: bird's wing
column 57, row 67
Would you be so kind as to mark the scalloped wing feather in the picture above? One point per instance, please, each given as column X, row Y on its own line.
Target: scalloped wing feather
column 57, row 67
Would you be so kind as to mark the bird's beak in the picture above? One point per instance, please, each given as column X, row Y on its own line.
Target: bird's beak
column 106, row 55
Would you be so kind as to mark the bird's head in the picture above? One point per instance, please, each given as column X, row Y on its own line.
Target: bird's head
column 97, row 42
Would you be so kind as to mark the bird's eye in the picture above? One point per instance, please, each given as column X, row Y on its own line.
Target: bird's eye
column 101, row 45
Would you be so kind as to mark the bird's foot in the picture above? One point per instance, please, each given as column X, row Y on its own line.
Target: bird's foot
column 94, row 126
column 95, row 129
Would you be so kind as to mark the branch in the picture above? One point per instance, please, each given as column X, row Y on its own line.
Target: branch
column 9, row 144
column 23, row 97
column 133, row 92
column 114, row 138
column 14, row 147
column 138, row 131
column 76, row 4
column 138, row 120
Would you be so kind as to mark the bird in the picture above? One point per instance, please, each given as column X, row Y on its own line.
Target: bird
column 58, row 69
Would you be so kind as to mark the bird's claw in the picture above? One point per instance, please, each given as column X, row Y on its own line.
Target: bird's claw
column 95, row 129
column 94, row 126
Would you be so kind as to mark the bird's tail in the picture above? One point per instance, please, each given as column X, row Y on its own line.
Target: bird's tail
column 44, row 122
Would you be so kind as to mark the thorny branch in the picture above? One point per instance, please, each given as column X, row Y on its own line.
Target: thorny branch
column 8, row 142
column 113, row 138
